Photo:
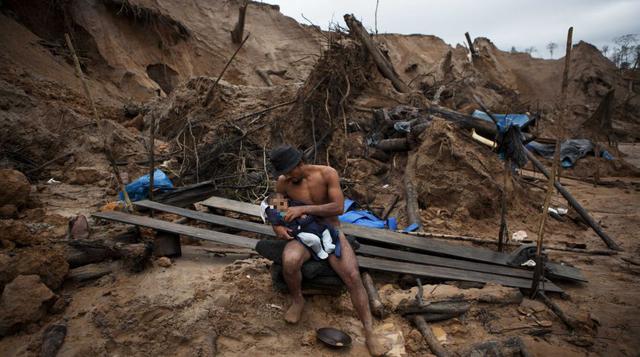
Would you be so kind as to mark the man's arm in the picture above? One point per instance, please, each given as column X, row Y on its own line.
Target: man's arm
column 333, row 208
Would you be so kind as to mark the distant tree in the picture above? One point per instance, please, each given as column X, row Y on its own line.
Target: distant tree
column 530, row 50
column 551, row 46
column 604, row 50
column 513, row 49
column 624, row 54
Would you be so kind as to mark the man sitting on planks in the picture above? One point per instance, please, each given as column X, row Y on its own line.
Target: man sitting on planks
column 318, row 187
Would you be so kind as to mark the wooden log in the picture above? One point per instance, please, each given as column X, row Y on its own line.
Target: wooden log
column 474, row 53
column 84, row 252
column 399, row 144
column 411, row 196
column 238, row 30
column 465, row 121
column 377, row 308
column 429, row 336
column 570, row 323
column 90, row 271
column 384, row 66
column 451, row 308
column 572, row 201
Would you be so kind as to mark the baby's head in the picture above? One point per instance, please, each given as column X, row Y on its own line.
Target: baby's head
column 278, row 201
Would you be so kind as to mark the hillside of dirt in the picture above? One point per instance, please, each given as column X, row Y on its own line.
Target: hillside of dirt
column 218, row 107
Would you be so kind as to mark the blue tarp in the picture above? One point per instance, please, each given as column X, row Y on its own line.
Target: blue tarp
column 361, row 217
column 139, row 189
column 504, row 120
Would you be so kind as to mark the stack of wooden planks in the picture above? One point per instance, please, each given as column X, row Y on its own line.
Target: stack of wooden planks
column 380, row 249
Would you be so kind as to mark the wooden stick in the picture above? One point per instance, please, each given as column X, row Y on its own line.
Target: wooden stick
column 429, row 337
column 503, row 233
column 397, row 144
column 384, row 66
column 471, row 47
column 98, row 121
column 377, row 308
column 572, row 201
column 209, row 95
column 567, row 63
column 152, row 157
column 539, row 271
column 556, row 310
column 411, row 196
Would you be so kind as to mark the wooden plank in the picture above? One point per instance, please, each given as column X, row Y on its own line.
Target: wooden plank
column 441, row 272
column 404, row 240
column 170, row 227
column 364, row 249
column 232, row 205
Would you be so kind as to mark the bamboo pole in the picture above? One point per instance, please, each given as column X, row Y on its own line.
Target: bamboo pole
column 98, row 121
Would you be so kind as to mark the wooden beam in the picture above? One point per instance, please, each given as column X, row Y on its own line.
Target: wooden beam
column 238, row 30
column 384, row 65
column 574, row 203
column 474, row 53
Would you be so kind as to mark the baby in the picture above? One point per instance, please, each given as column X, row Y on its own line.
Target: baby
column 320, row 238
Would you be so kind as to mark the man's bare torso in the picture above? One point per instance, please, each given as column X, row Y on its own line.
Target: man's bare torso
column 311, row 190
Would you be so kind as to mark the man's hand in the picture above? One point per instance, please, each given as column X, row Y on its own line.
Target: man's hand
column 283, row 232
column 293, row 213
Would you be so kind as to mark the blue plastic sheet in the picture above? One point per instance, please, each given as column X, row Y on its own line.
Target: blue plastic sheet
column 504, row 120
column 360, row 217
column 139, row 189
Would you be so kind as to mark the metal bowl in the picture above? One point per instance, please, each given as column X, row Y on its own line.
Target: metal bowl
column 333, row 337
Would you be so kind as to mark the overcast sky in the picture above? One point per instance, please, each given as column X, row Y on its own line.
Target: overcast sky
column 519, row 23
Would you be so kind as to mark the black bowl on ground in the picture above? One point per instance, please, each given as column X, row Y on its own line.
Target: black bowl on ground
column 333, row 337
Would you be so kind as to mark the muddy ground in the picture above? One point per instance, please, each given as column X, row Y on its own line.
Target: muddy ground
column 154, row 61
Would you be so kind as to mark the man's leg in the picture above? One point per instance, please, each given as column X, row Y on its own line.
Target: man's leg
column 347, row 268
column 293, row 256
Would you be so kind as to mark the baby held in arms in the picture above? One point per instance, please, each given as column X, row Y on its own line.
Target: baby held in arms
column 320, row 238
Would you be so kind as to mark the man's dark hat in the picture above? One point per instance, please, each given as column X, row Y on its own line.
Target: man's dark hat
column 284, row 159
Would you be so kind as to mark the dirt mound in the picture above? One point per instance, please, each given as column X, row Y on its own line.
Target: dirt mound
column 460, row 180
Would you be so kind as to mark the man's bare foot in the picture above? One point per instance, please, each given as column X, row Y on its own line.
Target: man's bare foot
column 376, row 344
column 294, row 312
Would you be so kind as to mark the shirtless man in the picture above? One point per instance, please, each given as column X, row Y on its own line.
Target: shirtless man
column 319, row 188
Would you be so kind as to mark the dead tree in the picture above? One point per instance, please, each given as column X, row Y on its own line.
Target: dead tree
column 238, row 30
column 384, row 66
